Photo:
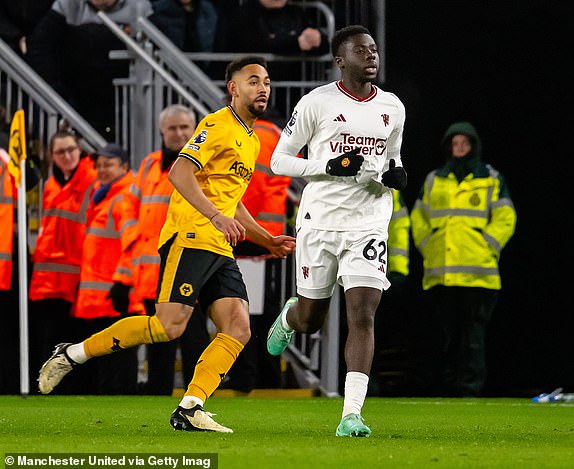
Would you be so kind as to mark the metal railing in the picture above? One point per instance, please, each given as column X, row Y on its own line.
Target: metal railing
column 23, row 88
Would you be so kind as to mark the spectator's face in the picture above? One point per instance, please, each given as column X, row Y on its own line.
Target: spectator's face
column 176, row 130
column 271, row 4
column 250, row 88
column 460, row 145
column 66, row 154
column 109, row 169
column 103, row 5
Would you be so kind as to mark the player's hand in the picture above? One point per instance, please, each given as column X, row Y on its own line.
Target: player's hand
column 281, row 246
column 395, row 177
column 230, row 227
column 347, row 164
column 120, row 296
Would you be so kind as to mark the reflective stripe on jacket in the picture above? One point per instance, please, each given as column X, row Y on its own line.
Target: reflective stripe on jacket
column 149, row 196
column 461, row 228
column 58, row 252
column 266, row 195
column 110, row 224
column 399, row 229
column 7, row 196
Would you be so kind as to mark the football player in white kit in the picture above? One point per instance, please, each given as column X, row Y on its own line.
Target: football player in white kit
column 353, row 133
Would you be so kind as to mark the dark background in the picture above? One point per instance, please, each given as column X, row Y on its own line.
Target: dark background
column 505, row 67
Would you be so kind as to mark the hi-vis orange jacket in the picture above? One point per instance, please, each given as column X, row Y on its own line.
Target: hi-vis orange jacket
column 111, row 223
column 7, row 196
column 149, row 195
column 58, row 251
column 266, row 194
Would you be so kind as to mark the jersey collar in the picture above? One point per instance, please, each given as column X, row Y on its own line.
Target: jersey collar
column 346, row 92
column 243, row 124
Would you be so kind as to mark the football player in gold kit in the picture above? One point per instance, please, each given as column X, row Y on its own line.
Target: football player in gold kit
column 204, row 220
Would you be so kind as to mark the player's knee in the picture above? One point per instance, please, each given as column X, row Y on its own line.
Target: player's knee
column 238, row 326
column 361, row 321
column 173, row 318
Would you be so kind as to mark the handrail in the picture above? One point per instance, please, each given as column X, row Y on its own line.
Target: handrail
column 45, row 96
column 141, row 53
column 329, row 17
column 187, row 71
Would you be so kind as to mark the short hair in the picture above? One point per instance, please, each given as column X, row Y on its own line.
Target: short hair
column 173, row 110
column 240, row 62
column 344, row 34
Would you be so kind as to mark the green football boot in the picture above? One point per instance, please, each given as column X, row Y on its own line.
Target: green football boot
column 353, row 425
column 278, row 338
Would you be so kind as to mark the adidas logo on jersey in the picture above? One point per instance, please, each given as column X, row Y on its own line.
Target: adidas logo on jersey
column 340, row 118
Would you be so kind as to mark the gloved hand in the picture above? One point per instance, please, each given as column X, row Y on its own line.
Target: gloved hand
column 347, row 164
column 395, row 177
column 120, row 296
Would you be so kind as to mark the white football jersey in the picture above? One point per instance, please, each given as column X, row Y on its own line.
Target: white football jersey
column 331, row 121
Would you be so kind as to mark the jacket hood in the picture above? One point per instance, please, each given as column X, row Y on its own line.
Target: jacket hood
column 464, row 128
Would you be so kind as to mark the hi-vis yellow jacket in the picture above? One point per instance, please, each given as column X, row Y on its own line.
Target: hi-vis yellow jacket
column 399, row 228
column 460, row 228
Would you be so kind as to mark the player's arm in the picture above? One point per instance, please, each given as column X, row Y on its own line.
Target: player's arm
column 295, row 136
column 182, row 176
column 278, row 246
column 297, row 133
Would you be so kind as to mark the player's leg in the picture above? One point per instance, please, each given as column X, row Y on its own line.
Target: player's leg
column 317, row 265
column 125, row 333
column 362, row 268
column 168, row 323
column 224, row 296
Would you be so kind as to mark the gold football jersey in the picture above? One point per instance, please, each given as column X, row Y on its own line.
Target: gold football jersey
column 224, row 149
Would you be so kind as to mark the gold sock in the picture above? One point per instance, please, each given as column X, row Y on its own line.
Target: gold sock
column 125, row 333
column 213, row 365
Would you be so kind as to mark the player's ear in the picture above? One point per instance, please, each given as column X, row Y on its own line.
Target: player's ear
column 232, row 88
column 339, row 61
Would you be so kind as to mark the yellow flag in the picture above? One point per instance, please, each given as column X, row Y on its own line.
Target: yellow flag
column 17, row 145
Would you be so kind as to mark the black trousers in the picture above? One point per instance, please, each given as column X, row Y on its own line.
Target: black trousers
column 464, row 313
column 161, row 357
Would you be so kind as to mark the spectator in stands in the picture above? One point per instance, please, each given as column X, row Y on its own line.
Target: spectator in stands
column 18, row 20
column 273, row 26
column 105, row 291
column 57, row 257
column 70, row 49
column 149, row 197
column 190, row 24
column 265, row 199
column 462, row 219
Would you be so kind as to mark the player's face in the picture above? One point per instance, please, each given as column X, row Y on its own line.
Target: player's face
column 176, row 130
column 250, row 89
column 359, row 58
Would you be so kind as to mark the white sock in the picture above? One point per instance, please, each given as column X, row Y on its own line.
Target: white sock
column 284, row 318
column 77, row 353
column 187, row 402
column 356, row 384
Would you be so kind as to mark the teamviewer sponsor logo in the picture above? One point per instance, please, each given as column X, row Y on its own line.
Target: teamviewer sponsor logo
column 369, row 145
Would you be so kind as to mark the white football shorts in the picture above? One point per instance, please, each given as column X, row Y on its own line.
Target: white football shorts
column 349, row 258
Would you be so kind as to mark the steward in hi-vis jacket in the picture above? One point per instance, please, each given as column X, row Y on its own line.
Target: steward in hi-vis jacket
column 461, row 221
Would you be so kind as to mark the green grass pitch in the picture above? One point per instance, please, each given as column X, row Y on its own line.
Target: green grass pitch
column 299, row 433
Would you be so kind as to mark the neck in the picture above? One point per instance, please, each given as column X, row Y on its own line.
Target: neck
column 244, row 114
column 359, row 89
